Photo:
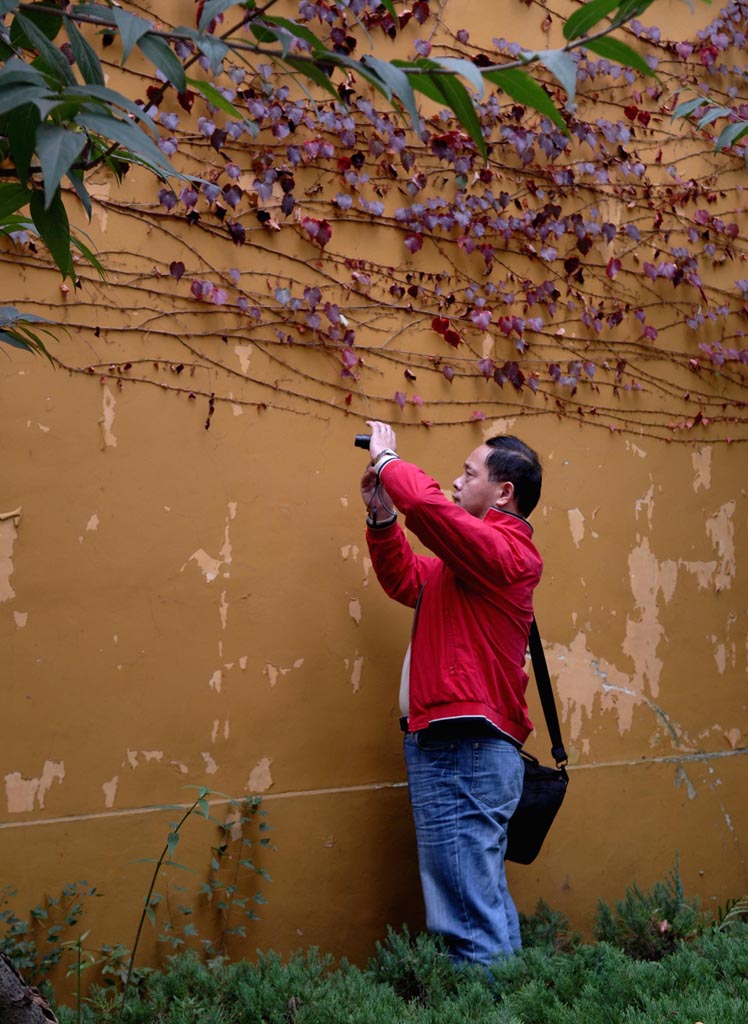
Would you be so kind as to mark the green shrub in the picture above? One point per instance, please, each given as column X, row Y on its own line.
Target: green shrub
column 648, row 925
column 418, row 969
column 547, row 928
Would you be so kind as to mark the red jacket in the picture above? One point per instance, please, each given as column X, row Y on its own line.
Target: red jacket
column 474, row 602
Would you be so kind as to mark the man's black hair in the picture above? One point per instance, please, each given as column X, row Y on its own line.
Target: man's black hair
column 513, row 460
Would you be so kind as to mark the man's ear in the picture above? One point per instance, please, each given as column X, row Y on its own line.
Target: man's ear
column 505, row 495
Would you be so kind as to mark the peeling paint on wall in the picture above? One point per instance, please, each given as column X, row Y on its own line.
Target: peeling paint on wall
column 109, row 408
column 210, row 765
column 649, row 578
column 110, row 791
column 209, row 566
column 217, row 729
column 701, row 460
column 20, row 619
column 356, row 670
column 22, row 794
column 260, row 779
column 244, row 353
column 576, row 525
column 9, row 522
column 273, row 672
column 354, row 610
column 647, row 505
column 636, row 450
column 149, row 755
column 721, row 531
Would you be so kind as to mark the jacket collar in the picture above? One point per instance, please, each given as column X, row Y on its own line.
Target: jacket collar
column 514, row 515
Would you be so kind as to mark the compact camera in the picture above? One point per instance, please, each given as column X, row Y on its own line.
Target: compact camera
column 362, row 440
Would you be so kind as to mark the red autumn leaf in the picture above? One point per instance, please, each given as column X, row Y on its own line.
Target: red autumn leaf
column 318, row 230
column 186, row 99
column 614, row 265
column 452, row 338
column 440, row 324
column 176, row 269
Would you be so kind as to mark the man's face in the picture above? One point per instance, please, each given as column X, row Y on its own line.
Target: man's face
column 473, row 491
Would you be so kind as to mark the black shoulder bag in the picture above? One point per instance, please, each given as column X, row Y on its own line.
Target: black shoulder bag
column 544, row 788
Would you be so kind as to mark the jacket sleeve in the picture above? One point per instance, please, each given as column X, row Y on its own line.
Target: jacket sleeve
column 477, row 553
column 400, row 571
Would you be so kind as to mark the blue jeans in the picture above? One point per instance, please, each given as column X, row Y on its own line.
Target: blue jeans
column 463, row 793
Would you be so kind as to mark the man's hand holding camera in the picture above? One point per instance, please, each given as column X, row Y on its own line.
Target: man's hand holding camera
column 382, row 448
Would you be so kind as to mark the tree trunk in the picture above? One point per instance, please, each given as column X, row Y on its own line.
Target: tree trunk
column 20, row 1004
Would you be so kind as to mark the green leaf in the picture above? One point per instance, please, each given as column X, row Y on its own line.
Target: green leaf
column 13, row 223
column 620, row 53
column 52, row 223
column 294, row 29
column 425, row 77
column 466, row 68
column 211, row 10
column 687, row 108
column 53, row 59
column 455, row 95
column 161, row 55
column 58, row 149
column 75, row 177
column 20, row 127
column 562, row 66
column 85, row 56
column 13, row 196
column 45, row 21
column 130, row 137
column 713, row 114
column 18, row 72
column 395, row 82
column 730, row 135
column 313, row 73
column 217, row 99
column 13, row 331
column 6, row 6
column 89, row 255
column 131, row 29
column 525, row 90
column 109, row 97
column 632, row 9
column 213, row 49
column 581, row 21
column 15, row 96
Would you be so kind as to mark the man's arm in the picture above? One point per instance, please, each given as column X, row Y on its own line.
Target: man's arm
column 400, row 571
column 476, row 552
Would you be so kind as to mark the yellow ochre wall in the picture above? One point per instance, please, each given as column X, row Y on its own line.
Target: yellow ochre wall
column 186, row 607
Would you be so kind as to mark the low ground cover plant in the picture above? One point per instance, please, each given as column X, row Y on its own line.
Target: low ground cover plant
column 657, row 959
column 412, row 981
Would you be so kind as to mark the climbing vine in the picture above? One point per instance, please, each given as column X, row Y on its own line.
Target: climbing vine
column 590, row 266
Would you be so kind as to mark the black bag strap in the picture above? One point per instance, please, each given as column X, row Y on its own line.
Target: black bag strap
column 543, row 679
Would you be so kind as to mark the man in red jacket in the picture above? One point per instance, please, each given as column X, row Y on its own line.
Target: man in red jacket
column 462, row 691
